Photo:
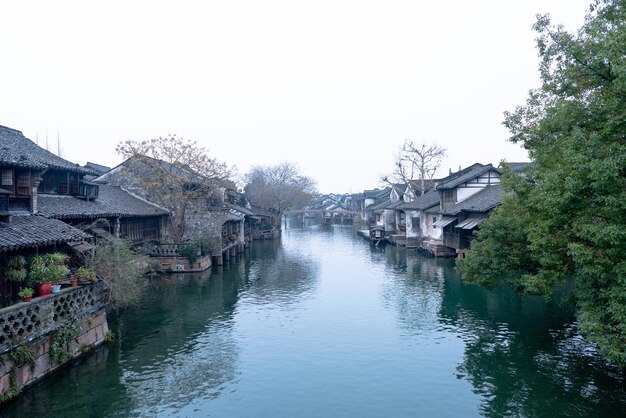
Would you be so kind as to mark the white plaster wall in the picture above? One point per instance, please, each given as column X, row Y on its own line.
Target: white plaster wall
column 463, row 193
column 428, row 231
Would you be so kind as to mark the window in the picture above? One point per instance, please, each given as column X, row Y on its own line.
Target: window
column 7, row 177
column 434, row 220
column 23, row 183
column 415, row 224
column 449, row 196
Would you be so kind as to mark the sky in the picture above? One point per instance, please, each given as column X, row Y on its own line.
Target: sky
column 333, row 86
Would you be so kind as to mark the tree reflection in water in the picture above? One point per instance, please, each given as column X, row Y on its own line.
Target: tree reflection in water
column 517, row 348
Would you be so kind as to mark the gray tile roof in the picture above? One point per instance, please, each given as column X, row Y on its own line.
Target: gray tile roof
column 517, row 167
column 27, row 231
column 379, row 206
column 377, row 193
column 112, row 201
column 423, row 202
column 17, row 150
column 482, row 201
column 99, row 168
column 464, row 175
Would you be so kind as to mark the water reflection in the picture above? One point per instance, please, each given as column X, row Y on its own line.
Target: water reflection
column 323, row 323
column 185, row 349
column 414, row 288
column 279, row 274
column 525, row 357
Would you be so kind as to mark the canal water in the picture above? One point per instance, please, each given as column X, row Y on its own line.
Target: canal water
column 324, row 324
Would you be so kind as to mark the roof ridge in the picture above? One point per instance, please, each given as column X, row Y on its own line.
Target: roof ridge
column 11, row 129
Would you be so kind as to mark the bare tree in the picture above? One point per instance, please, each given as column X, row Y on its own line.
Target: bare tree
column 277, row 188
column 416, row 162
column 172, row 172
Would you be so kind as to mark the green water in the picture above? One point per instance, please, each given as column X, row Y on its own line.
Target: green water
column 323, row 324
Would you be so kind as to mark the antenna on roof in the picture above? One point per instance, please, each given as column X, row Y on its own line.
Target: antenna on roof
column 37, row 136
column 58, row 143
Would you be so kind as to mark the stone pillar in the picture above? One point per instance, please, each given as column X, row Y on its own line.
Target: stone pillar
column 116, row 227
column 35, row 180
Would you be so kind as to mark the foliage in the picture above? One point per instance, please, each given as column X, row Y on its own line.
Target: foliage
column 65, row 334
column 190, row 250
column 173, row 172
column 56, row 259
column 416, row 162
column 209, row 245
column 13, row 390
column 22, row 355
column 567, row 215
column 16, row 268
column 121, row 271
column 109, row 338
column 277, row 188
column 57, row 272
column 38, row 271
column 86, row 272
column 25, row 292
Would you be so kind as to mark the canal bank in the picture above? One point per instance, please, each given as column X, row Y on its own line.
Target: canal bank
column 322, row 323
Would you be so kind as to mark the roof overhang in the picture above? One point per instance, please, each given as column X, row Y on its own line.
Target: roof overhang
column 444, row 221
column 470, row 223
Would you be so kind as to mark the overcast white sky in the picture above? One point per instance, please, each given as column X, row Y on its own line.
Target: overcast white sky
column 335, row 86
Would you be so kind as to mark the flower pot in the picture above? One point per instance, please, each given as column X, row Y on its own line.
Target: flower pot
column 44, row 289
column 27, row 298
column 74, row 282
column 56, row 288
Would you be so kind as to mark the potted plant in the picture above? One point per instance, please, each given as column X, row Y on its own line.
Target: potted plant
column 16, row 269
column 56, row 269
column 26, row 293
column 38, row 275
column 86, row 273
column 56, row 273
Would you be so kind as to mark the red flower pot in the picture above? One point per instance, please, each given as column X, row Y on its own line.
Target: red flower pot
column 44, row 289
column 27, row 298
column 74, row 282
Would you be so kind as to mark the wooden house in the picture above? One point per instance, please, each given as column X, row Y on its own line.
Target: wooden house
column 465, row 217
column 23, row 231
column 421, row 213
column 461, row 190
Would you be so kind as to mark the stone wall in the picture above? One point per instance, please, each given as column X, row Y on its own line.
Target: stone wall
column 201, row 221
column 53, row 330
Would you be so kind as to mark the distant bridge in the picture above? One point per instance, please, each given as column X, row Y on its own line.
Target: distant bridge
column 337, row 211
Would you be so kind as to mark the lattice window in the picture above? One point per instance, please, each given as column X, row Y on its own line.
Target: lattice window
column 7, row 178
column 23, row 183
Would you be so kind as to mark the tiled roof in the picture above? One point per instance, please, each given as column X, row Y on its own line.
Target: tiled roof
column 377, row 193
column 17, row 150
column 482, row 201
column 517, row 167
column 380, row 206
column 27, row 231
column 423, row 202
column 112, row 201
column 464, row 175
column 100, row 169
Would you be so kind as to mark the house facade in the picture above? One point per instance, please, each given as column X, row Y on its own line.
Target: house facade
column 473, row 191
column 24, row 167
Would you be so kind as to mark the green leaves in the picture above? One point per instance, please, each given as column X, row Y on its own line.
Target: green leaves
column 567, row 216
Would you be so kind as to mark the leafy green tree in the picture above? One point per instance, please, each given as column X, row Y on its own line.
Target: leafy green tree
column 567, row 214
